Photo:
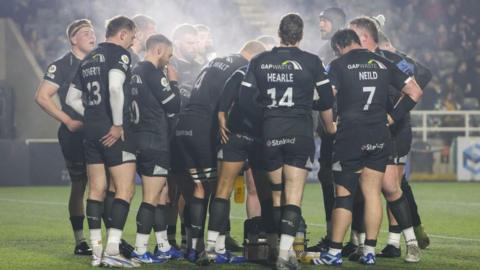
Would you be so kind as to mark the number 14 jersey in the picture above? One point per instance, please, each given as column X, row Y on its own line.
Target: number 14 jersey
column 286, row 78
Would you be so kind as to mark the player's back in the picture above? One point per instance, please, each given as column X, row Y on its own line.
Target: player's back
column 210, row 82
column 147, row 112
column 286, row 78
column 94, row 80
column 362, row 80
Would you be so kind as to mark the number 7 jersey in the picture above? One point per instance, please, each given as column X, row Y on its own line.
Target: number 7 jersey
column 362, row 80
column 92, row 79
column 286, row 78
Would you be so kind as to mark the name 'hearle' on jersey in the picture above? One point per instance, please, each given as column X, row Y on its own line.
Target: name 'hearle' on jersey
column 280, row 77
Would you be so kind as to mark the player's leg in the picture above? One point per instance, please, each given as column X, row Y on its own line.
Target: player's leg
column 253, row 203
column 219, row 214
column 371, row 184
column 72, row 149
column 164, row 249
column 151, row 188
column 96, row 194
column 123, row 176
column 421, row 235
column 298, row 157
column 346, row 183
column 398, row 204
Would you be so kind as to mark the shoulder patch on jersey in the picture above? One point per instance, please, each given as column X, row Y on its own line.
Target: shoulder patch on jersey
column 52, row 69
column 125, row 58
column 164, row 82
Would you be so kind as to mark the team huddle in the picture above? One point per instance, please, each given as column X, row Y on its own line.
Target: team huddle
column 188, row 123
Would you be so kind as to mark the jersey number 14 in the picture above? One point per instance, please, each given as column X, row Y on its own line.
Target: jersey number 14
column 285, row 101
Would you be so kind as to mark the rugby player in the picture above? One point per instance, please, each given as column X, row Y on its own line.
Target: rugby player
column 153, row 97
column 362, row 146
column 286, row 78
column 146, row 26
column 57, row 79
column 330, row 20
column 103, row 79
column 422, row 75
column 196, row 137
column 236, row 149
column 397, row 202
column 185, row 39
column 205, row 49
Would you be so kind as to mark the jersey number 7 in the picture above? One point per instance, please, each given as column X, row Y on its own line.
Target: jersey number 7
column 371, row 92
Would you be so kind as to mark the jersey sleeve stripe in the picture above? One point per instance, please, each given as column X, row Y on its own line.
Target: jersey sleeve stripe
column 247, row 84
column 165, row 101
column 322, row 82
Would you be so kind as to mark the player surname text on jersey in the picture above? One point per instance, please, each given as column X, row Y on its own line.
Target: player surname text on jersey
column 91, row 71
column 280, row 77
column 367, row 75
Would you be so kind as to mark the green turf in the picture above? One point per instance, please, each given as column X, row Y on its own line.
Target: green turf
column 35, row 232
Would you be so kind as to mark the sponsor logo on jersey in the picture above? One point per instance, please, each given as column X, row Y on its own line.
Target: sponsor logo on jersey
column 372, row 147
column 277, row 142
column 371, row 64
column 293, row 63
column 380, row 64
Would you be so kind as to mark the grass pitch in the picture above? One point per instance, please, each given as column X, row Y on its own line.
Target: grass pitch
column 35, row 232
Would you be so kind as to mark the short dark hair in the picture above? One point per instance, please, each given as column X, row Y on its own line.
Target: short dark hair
column 183, row 29
column 76, row 25
column 290, row 29
column 117, row 23
column 367, row 24
column 157, row 39
column 344, row 38
column 142, row 21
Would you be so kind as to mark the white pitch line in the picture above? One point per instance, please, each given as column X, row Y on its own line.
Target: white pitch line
column 242, row 218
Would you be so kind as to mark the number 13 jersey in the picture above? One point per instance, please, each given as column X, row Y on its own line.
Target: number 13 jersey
column 92, row 79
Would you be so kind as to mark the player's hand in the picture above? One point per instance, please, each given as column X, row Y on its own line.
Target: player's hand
column 172, row 73
column 390, row 120
column 224, row 134
column 115, row 133
column 74, row 125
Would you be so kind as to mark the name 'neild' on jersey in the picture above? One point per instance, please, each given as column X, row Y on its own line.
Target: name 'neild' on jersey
column 367, row 75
